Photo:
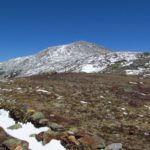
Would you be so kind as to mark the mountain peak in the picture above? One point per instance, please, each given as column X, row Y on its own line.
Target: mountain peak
column 79, row 56
column 74, row 49
column 82, row 42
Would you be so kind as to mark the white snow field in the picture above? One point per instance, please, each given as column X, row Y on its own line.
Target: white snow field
column 25, row 132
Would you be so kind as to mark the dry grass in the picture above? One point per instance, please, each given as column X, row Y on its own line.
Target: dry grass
column 117, row 107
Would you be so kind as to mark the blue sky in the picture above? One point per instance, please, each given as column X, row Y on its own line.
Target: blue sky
column 28, row 26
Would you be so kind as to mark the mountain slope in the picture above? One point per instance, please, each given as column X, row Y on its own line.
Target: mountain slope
column 77, row 57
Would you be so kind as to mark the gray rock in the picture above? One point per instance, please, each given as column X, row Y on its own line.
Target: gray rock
column 15, row 126
column 114, row 146
column 55, row 126
column 43, row 122
column 72, row 130
column 37, row 116
column 13, row 143
column 32, row 135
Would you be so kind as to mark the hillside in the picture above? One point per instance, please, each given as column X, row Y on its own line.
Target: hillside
column 77, row 57
column 84, row 111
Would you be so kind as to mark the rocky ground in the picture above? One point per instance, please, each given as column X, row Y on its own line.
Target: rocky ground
column 84, row 111
column 10, row 143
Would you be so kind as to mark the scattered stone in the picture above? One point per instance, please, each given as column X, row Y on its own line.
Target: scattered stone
column 123, row 109
column 101, row 96
column 43, row 122
column 146, row 133
column 69, row 141
column 19, row 148
column 73, row 140
column 92, row 141
column 143, row 94
column 125, row 113
column 12, row 144
column 141, row 83
column 72, row 130
column 37, row 116
column 148, row 107
column 83, row 102
column 39, row 137
column 56, row 127
column 133, row 83
column 141, row 115
column 32, row 135
column 114, row 146
column 15, row 126
column 47, row 136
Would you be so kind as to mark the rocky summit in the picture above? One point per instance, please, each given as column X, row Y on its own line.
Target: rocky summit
column 77, row 57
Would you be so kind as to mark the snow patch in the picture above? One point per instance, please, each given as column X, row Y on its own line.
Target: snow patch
column 135, row 72
column 132, row 72
column 25, row 132
column 127, row 63
column 89, row 68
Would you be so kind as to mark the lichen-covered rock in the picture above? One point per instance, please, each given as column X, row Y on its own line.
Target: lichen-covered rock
column 55, row 126
column 72, row 130
column 37, row 116
column 15, row 126
column 12, row 144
